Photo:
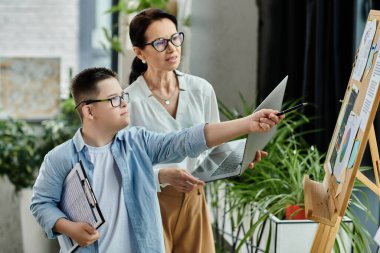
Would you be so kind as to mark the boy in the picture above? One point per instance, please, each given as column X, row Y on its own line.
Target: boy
column 119, row 163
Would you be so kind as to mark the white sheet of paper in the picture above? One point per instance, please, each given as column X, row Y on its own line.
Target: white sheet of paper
column 370, row 94
column 345, row 149
column 365, row 47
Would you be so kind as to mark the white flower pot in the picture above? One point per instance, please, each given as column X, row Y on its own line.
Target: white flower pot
column 286, row 236
column 34, row 239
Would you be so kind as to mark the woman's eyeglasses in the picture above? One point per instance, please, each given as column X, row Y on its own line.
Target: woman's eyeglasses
column 115, row 101
column 161, row 44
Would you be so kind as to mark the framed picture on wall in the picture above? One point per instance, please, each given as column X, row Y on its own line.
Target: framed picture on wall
column 29, row 88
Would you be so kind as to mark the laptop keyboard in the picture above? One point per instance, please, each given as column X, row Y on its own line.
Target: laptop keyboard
column 229, row 164
column 208, row 165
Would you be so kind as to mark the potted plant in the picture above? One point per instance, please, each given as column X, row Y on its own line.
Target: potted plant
column 23, row 146
column 18, row 158
column 255, row 204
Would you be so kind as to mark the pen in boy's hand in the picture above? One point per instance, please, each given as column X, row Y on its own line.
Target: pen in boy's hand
column 291, row 109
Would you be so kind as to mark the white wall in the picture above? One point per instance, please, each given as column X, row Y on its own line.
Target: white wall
column 39, row 28
column 224, row 42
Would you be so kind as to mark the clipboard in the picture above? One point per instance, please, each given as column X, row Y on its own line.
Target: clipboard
column 79, row 203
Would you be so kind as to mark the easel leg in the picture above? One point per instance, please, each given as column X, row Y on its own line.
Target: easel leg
column 325, row 237
column 374, row 154
column 317, row 244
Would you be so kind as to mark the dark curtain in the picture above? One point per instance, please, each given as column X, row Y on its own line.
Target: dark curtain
column 312, row 41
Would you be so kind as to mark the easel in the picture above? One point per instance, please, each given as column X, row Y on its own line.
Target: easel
column 327, row 202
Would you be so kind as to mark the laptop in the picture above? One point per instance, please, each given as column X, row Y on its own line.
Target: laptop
column 232, row 158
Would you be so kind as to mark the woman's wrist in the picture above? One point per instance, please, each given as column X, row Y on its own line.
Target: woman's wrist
column 162, row 179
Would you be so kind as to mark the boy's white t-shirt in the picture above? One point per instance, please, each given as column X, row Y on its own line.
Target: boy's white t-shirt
column 115, row 233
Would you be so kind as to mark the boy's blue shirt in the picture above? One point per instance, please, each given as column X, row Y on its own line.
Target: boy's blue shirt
column 135, row 151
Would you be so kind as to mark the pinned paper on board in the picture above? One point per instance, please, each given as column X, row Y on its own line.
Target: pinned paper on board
column 354, row 154
column 343, row 121
column 370, row 93
column 364, row 49
column 345, row 149
column 370, row 59
column 374, row 49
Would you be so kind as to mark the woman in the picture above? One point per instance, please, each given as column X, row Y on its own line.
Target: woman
column 171, row 100
column 163, row 100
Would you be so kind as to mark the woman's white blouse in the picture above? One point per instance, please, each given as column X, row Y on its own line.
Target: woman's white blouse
column 196, row 104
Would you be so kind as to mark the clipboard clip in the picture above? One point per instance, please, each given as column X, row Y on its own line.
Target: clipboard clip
column 88, row 192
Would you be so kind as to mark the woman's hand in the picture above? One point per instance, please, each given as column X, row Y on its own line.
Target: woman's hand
column 180, row 179
column 259, row 154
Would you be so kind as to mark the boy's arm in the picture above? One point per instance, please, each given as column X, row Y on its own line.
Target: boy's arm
column 174, row 147
column 46, row 195
column 261, row 121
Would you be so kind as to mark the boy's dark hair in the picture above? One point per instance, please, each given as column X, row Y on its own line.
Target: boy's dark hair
column 84, row 84
column 137, row 28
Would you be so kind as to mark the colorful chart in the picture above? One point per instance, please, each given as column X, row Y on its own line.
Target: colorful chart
column 345, row 144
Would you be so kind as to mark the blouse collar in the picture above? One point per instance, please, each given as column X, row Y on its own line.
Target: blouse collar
column 147, row 92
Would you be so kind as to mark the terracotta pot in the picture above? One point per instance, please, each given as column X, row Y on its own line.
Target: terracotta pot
column 290, row 210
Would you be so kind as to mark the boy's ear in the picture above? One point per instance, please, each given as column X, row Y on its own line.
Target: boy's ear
column 86, row 110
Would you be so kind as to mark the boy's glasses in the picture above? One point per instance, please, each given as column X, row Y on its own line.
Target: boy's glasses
column 115, row 101
column 161, row 44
